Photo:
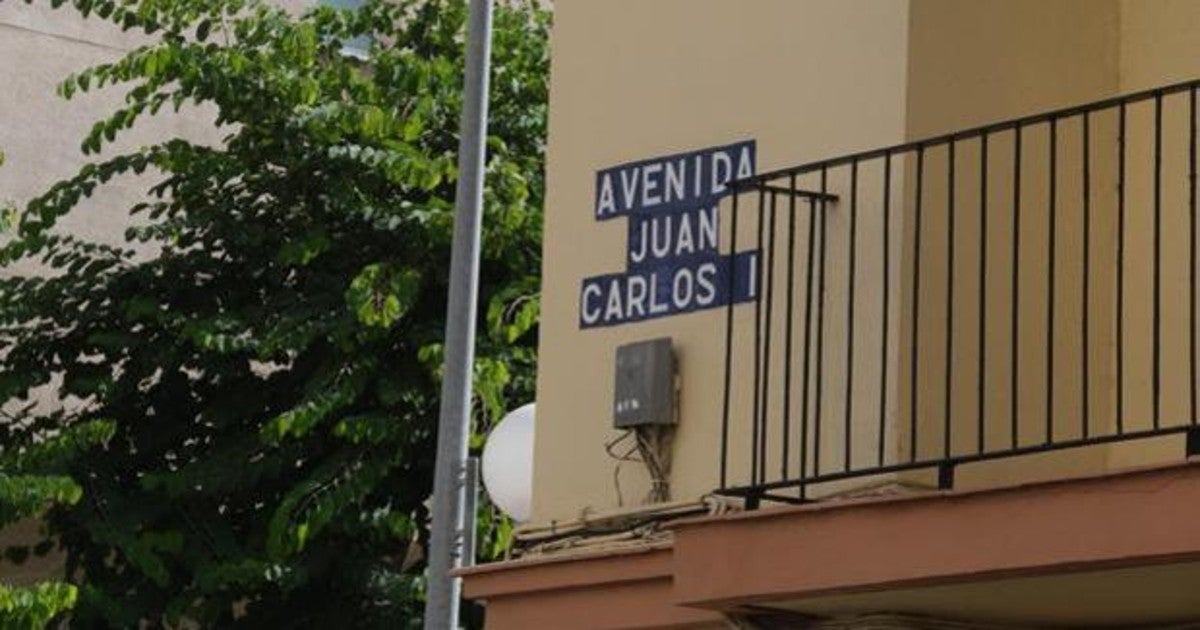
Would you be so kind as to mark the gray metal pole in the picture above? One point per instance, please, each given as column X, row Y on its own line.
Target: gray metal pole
column 471, row 503
column 450, row 520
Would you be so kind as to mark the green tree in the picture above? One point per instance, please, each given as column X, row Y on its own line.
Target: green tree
column 31, row 482
column 271, row 371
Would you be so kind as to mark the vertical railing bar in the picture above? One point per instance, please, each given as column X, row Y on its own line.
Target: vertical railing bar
column 728, row 343
column 790, row 315
column 1051, row 280
column 983, row 239
column 847, row 433
column 813, row 211
column 883, row 366
column 766, row 379
column 1192, row 251
column 916, row 307
column 820, row 359
column 1157, row 369
column 758, row 286
column 1014, row 383
column 1085, row 353
column 947, row 394
column 1121, row 124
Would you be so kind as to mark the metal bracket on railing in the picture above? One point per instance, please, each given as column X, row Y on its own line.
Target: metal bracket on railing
column 945, row 476
column 811, row 195
column 745, row 185
column 1193, row 441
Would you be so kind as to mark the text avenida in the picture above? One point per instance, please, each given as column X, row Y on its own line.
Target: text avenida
column 672, row 262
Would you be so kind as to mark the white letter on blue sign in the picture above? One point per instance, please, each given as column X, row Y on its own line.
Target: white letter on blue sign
column 656, row 307
column 685, row 244
column 589, row 316
column 613, row 311
column 720, row 175
column 635, row 300
column 708, row 229
column 676, row 174
column 629, row 182
column 682, row 287
column 745, row 164
column 606, row 204
column 651, row 178
column 705, row 277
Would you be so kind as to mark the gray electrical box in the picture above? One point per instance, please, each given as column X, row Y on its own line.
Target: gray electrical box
column 645, row 384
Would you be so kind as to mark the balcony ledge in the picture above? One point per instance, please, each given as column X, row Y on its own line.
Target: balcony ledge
column 934, row 553
column 1094, row 550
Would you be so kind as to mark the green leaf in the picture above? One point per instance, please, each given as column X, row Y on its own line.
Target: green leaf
column 34, row 607
column 381, row 294
column 203, row 29
column 303, row 250
column 29, row 495
column 413, row 126
column 329, row 396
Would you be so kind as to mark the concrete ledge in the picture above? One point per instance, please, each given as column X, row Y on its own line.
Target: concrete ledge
column 1030, row 552
column 627, row 588
column 1130, row 518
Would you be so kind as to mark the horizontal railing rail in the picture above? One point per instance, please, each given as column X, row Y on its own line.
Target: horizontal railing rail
column 1015, row 288
column 974, row 132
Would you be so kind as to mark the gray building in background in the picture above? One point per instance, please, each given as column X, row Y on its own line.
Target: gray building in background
column 41, row 132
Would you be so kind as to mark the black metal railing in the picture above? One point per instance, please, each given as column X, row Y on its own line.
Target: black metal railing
column 1020, row 287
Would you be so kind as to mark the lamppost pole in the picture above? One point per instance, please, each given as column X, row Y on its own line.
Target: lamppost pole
column 450, row 520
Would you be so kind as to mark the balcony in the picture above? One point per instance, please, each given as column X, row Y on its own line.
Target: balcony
column 1021, row 295
column 970, row 362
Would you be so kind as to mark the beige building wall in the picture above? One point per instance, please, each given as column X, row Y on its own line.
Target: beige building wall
column 969, row 64
column 811, row 80
column 632, row 80
column 1158, row 48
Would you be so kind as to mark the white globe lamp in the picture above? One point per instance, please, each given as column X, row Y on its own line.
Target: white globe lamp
column 508, row 463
